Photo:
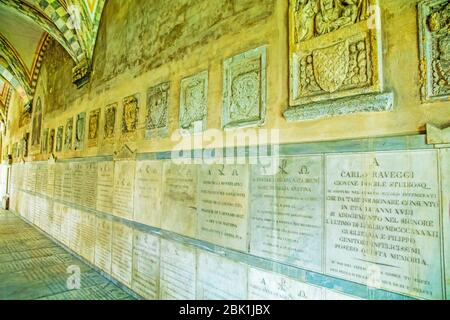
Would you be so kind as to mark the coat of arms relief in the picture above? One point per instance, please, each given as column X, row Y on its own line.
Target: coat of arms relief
column 245, row 89
column 157, row 120
column 335, row 48
column 194, row 103
column 434, row 34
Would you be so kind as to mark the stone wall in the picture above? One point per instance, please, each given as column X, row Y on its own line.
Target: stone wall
column 364, row 215
column 374, row 220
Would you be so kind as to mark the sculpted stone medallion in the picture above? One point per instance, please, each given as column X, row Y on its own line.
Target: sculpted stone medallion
column 157, row 108
column 194, row 103
column 434, row 24
column 94, row 119
column 245, row 89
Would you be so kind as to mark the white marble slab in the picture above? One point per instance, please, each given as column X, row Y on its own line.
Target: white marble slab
column 178, row 271
column 223, row 205
column 148, row 193
column 219, row 278
column 287, row 211
column 383, row 221
column 146, row 252
column 264, row 285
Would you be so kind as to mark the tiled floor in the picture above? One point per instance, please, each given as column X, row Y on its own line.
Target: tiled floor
column 33, row 267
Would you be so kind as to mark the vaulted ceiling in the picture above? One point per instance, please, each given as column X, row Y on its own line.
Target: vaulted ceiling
column 25, row 29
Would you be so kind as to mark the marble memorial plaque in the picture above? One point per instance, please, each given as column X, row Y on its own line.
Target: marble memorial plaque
column 78, row 177
column 88, row 236
column 75, row 230
column 33, row 177
column 264, row 285
column 65, row 225
column 122, row 253
column 57, row 221
column 179, row 198
column 123, row 189
column 58, row 190
column 50, row 188
column 219, row 278
column 445, row 176
column 333, row 295
column 67, row 180
column 244, row 87
column 41, row 176
column 103, row 245
column 148, row 193
column 89, row 190
column 146, row 265
column 382, row 221
column 286, row 212
column 223, row 205
column 105, row 186
column 178, row 271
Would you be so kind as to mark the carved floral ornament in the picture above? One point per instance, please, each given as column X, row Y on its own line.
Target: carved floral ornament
column 194, row 102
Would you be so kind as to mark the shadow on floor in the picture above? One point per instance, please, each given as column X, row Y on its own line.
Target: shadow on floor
column 32, row 267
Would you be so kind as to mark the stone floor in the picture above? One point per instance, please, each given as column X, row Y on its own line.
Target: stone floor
column 32, row 267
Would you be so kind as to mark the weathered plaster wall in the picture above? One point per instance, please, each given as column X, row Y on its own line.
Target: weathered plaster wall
column 136, row 51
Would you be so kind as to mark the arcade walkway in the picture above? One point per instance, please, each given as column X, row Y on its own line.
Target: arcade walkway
column 33, row 267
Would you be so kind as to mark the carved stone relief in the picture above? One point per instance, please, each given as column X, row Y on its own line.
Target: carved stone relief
column 157, row 110
column 59, row 139
column 130, row 115
column 434, row 24
column 335, row 50
column 94, row 119
column 110, row 121
column 194, row 103
column 245, row 89
column 80, row 131
column 68, row 136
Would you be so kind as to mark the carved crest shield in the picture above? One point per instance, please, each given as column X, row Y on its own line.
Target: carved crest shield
column 331, row 66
